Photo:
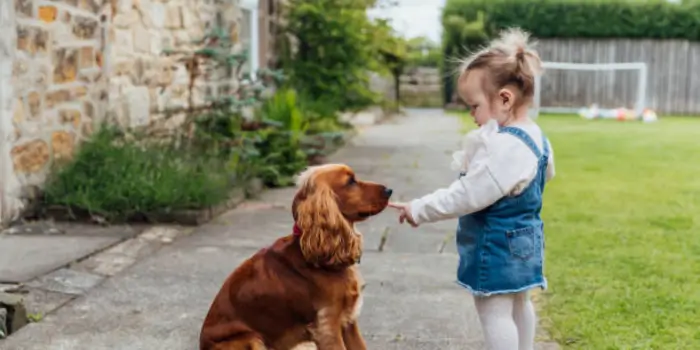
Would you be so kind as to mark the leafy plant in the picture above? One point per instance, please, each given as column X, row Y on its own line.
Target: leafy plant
column 284, row 108
column 331, row 51
column 119, row 178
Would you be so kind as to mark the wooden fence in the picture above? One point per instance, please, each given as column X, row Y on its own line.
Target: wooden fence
column 673, row 85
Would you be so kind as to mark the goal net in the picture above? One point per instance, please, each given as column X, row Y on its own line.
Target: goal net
column 582, row 87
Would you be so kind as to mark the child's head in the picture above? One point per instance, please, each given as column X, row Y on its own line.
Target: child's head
column 498, row 81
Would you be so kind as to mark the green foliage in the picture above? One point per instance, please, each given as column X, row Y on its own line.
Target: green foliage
column 421, row 52
column 280, row 155
column 579, row 19
column 332, row 51
column 284, row 108
column 119, row 178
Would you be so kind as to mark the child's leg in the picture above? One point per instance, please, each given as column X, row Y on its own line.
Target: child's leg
column 525, row 320
column 496, row 315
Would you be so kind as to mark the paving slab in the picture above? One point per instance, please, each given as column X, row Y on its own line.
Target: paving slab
column 24, row 257
column 67, row 281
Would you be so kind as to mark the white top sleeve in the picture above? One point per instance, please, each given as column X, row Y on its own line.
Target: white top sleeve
column 496, row 165
column 550, row 163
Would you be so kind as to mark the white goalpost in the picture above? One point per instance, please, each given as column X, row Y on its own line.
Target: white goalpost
column 640, row 102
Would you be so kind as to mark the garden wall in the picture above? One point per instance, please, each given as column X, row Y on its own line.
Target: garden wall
column 144, row 82
column 79, row 62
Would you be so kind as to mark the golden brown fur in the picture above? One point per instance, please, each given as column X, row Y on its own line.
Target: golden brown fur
column 304, row 287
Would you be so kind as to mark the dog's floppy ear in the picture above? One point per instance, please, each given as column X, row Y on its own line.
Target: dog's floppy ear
column 327, row 239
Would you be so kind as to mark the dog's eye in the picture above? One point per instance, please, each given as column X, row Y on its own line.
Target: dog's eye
column 351, row 181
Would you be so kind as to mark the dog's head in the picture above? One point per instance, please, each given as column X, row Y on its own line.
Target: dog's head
column 329, row 201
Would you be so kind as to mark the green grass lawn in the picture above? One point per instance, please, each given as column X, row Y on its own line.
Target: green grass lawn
column 622, row 220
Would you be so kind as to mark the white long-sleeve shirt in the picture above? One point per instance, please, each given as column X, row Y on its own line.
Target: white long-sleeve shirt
column 496, row 165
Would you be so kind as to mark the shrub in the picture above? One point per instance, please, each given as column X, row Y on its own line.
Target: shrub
column 119, row 179
column 331, row 53
column 583, row 19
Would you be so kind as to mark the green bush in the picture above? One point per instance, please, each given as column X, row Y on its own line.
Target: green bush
column 583, row 19
column 279, row 155
column 332, row 53
column 118, row 179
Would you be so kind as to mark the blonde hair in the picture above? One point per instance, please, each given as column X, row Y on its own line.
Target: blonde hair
column 508, row 60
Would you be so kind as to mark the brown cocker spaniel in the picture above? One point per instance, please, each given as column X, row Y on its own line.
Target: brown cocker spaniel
column 305, row 286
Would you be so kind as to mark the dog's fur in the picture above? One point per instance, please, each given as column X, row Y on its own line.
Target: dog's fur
column 305, row 287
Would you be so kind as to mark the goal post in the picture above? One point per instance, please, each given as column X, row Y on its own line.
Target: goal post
column 640, row 101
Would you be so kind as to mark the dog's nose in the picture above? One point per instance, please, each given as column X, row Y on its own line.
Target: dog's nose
column 388, row 192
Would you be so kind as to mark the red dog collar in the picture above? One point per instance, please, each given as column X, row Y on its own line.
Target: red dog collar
column 297, row 231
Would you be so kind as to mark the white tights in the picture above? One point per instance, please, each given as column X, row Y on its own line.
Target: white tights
column 508, row 321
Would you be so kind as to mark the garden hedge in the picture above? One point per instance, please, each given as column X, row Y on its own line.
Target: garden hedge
column 468, row 23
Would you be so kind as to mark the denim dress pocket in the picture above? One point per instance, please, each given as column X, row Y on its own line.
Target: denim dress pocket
column 522, row 242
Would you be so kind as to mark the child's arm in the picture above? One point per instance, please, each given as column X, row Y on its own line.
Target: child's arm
column 500, row 164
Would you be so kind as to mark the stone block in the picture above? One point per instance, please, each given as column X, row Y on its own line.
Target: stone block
column 62, row 143
column 32, row 40
column 142, row 39
column 70, row 116
column 86, row 130
column 87, row 57
column 23, row 8
column 41, row 76
column 79, row 92
column 65, row 62
column 126, row 19
column 34, row 103
column 189, row 17
column 57, row 97
column 15, row 312
column 123, row 41
column 155, row 13
column 137, row 106
column 93, row 6
column 85, row 28
column 47, row 13
column 173, row 16
column 89, row 109
column 30, row 157
column 182, row 38
column 125, row 6
column 18, row 115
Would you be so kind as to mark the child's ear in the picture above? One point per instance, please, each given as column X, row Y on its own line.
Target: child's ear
column 506, row 98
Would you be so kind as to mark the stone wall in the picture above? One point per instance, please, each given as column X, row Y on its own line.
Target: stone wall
column 8, row 43
column 144, row 82
column 68, row 65
column 58, row 86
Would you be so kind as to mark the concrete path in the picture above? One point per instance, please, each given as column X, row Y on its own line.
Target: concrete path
column 411, row 301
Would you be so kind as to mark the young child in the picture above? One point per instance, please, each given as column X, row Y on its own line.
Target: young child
column 498, row 196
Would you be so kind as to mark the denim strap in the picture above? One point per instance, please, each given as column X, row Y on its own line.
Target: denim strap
column 525, row 138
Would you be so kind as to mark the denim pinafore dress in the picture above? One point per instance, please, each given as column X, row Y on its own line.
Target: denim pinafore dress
column 501, row 247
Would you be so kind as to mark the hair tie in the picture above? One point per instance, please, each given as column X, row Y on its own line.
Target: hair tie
column 520, row 53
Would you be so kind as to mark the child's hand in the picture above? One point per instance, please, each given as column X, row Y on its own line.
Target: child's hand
column 404, row 212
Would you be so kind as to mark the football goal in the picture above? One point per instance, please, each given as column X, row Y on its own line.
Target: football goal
column 572, row 91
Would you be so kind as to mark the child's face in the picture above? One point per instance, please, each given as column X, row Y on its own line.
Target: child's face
column 484, row 107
